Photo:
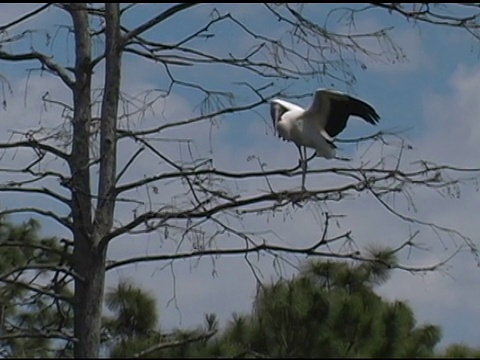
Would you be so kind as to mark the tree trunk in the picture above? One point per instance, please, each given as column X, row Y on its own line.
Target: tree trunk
column 88, row 299
column 89, row 253
column 86, row 261
column 108, row 125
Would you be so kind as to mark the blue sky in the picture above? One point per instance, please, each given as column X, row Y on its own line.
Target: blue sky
column 433, row 93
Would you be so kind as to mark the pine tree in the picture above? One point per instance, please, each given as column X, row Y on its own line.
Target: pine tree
column 329, row 310
column 459, row 350
column 34, row 310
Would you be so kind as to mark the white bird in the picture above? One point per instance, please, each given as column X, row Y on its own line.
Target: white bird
column 317, row 126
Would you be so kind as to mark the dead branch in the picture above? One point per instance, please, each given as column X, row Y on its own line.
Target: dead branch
column 40, row 334
column 273, row 250
column 64, row 221
column 156, row 20
column 425, row 12
column 14, row 188
column 24, row 17
column 45, row 60
column 172, row 344
column 35, row 145
column 36, row 289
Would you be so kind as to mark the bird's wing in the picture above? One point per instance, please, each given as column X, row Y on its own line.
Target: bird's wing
column 279, row 107
column 333, row 109
column 318, row 112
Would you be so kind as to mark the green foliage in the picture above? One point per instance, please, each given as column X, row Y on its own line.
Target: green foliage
column 131, row 329
column 28, row 298
column 329, row 310
column 132, row 326
column 460, row 351
column 135, row 310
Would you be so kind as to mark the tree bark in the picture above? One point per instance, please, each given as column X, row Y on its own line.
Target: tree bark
column 89, row 252
column 85, row 261
column 108, row 127
column 88, row 299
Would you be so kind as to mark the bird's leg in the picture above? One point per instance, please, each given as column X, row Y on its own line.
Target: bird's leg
column 305, row 159
column 303, row 164
column 301, row 156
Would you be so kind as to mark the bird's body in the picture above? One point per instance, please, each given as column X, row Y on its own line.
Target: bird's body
column 317, row 126
column 300, row 127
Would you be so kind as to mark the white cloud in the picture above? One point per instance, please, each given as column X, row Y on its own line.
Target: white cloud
column 403, row 46
column 452, row 119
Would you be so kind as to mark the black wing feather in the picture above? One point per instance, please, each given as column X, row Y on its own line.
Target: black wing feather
column 342, row 108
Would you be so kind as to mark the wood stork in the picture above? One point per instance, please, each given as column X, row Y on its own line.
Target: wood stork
column 317, row 126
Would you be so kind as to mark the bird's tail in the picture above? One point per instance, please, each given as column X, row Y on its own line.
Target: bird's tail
column 328, row 151
column 327, row 154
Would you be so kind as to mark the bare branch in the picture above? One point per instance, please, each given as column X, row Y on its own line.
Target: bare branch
column 429, row 224
column 40, row 334
column 156, row 20
column 126, row 133
column 64, row 221
column 44, row 60
column 293, row 171
column 20, row 244
column 282, row 198
column 39, row 267
column 36, row 176
column 273, row 249
column 43, row 191
column 36, row 289
column 424, row 12
column 25, row 17
column 128, row 164
column 34, row 144
column 172, row 344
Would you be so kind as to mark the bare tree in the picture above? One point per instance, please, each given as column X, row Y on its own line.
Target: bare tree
column 78, row 161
